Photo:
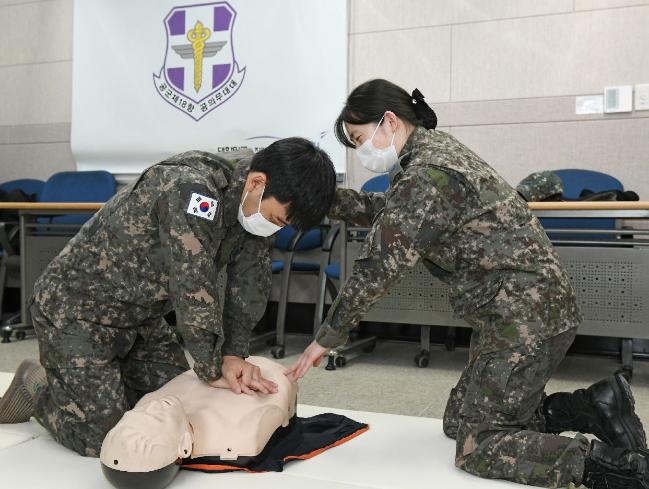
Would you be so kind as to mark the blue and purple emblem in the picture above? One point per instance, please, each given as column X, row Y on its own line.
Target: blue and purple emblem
column 200, row 71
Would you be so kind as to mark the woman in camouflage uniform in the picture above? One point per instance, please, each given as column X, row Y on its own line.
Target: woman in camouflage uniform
column 448, row 208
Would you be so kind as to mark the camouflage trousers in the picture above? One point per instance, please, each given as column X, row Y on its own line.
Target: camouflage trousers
column 494, row 414
column 96, row 373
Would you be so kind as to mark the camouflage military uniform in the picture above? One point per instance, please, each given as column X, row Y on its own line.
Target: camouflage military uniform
column 450, row 209
column 98, row 307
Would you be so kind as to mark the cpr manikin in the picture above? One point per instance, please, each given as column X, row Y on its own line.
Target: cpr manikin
column 188, row 419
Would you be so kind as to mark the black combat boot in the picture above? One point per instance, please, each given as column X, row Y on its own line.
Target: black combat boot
column 606, row 409
column 616, row 468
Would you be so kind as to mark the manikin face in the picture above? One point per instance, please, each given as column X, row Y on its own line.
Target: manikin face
column 148, row 438
column 271, row 208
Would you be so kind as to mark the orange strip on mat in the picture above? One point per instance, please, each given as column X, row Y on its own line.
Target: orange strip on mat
column 320, row 450
column 215, row 468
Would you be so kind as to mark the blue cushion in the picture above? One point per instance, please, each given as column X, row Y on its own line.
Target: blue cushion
column 298, row 266
column 377, row 184
column 574, row 181
column 78, row 186
column 310, row 240
column 28, row 185
column 333, row 270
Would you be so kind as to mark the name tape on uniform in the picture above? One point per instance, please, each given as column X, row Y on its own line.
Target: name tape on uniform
column 202, row 206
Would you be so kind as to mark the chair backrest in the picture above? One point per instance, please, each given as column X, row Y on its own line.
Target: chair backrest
column 78, row 186
column 377, row 184
column 574, row 181
column 30, row 186
column 310, row 240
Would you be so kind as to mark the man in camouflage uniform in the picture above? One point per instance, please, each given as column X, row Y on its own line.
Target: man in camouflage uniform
column 158, row 246
column 447, row 207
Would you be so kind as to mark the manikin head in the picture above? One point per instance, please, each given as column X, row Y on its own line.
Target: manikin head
column 141, row 451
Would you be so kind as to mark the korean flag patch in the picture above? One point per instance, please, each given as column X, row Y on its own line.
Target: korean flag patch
column 202, row 206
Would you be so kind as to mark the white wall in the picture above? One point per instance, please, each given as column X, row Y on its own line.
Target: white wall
column 36, row 88
column 503, row 76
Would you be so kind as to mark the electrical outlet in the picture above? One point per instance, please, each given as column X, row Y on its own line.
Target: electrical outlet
column 642, row 97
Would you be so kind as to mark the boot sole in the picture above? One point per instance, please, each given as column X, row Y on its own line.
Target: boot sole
column 16, row 382
column 627, row 415
column 19, row 377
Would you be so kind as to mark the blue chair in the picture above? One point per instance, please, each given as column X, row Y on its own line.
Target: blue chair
column 374, row 184
column 330, row 271
column 377, row 184
column 574, row 182
column 78, row 186
column 290, row 241
column 30, row 186
column 9, row 258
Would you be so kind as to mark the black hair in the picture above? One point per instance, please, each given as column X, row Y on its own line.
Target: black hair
column 369, row 101
column 300, row 174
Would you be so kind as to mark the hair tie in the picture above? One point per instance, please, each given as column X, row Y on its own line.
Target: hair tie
column 417, row 96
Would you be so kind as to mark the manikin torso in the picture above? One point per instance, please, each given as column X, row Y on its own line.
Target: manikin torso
column 188, row 418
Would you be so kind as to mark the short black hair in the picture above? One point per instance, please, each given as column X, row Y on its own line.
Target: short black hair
column 370, row 100
column 300, row 174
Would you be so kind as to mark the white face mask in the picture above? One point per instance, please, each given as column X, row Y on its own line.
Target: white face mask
column 375, row 159
column 256, row 223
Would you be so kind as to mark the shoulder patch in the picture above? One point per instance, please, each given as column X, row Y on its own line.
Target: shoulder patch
column 202, row 206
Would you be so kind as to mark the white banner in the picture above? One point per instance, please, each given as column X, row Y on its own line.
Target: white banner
column 156, row 77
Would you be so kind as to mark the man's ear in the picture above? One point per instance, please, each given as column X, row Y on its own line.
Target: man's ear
column 255, row 180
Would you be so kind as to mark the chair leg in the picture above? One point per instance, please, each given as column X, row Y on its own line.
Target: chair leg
column 3, row 282
column 423, row 357
column 333, row 291
column 6, row 330
column 278, row 350
column 320, row 299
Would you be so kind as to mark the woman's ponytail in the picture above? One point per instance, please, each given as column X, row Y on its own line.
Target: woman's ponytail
column 369, row 102
column 424, row 113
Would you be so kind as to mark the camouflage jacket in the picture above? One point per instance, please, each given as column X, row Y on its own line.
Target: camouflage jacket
column 447, row 207
column 146, row 253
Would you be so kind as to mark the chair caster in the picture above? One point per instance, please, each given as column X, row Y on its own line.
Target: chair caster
column 20, row 335
column 278, row 351
column 626, row 371
column 422, row 359
column 340, row 361
column 331, row 363
column 6, row 334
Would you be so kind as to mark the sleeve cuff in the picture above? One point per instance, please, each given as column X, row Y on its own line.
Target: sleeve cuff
column 328, row 337
column 207, row 372
column 242, row 352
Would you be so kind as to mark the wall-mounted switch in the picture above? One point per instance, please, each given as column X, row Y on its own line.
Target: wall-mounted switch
column 642, row 97
column 618, row 99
